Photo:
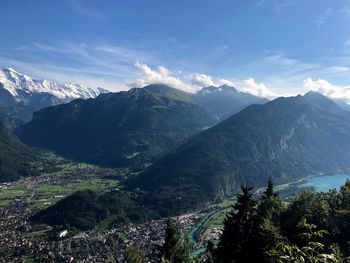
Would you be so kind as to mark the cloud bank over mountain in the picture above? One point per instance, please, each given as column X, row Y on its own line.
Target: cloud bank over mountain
column 328, row 89
column 193, row 82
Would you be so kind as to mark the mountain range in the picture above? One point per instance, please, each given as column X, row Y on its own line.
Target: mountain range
column 286, row 139
column 21, row 95
column 190, row 160
column 130, row 127
column 178, row 136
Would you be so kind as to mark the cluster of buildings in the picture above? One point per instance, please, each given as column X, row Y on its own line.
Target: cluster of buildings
column 72, row 176
column 19, row 239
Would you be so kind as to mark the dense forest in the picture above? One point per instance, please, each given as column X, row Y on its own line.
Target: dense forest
column 313, row 227
column 84, row 209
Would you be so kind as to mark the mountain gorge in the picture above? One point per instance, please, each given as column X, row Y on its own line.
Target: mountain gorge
column 118, row 129
column 287, row 138
column 21, row 95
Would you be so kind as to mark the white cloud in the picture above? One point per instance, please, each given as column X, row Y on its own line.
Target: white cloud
column 201, row 80
column 258, row 89
column 195, row 81
column 190, row 82
column 225, row 82
column 280, row 59
column 105, row 65
column 289, row 65
column 92, row 64
column 161, row 76
column 337, row 69
column 278, row 5
column 320, row 20
column 62, row 74
column 328, row 89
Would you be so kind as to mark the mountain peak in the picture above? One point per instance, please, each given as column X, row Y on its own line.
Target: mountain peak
column 20, row 86
column 167, row 91
column 224, row 101
column 321, row 101
column 11, row 69
column 22, row 95
column 159, row 88
column 214, row 89
column 227, row 87
column 312, row 93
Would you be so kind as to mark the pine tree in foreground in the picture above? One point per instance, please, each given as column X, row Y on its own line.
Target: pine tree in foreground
column 269, row 191
column 267, row 227
column 176, row 249
column 237, row 240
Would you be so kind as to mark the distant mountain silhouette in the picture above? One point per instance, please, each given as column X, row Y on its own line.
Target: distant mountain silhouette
column 225, row 101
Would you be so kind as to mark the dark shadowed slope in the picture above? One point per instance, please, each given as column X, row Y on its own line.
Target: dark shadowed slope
column 118, row 129
column 15, row 158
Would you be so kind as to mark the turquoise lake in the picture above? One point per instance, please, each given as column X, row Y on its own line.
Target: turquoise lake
column 324, row 183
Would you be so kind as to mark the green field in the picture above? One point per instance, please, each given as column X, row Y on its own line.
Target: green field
column 217, row 218
column 44, row 195
column 68, row 167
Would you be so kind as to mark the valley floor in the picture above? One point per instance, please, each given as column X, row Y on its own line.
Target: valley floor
column 22, row 241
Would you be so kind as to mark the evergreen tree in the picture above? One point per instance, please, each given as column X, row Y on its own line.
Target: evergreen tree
column 176, row 249
column 210, row 253
column 267, row 226
column 133, row 254
column 343, row 217
column 171, row 239
column 237, row 239
column 269, row 192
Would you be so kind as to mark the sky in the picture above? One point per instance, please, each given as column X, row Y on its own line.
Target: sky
column 266, row 47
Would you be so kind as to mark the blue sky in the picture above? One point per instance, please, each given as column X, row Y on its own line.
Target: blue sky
column 267, row 47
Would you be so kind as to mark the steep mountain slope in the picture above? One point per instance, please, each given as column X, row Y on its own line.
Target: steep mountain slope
column 225, row 101
column 20, row 95
column 287, row 138
column 342, row 104
column 15, row 158
column 117, row 129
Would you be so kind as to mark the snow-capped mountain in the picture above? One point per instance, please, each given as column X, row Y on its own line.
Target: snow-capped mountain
column 19, row 85
column 21, row 95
